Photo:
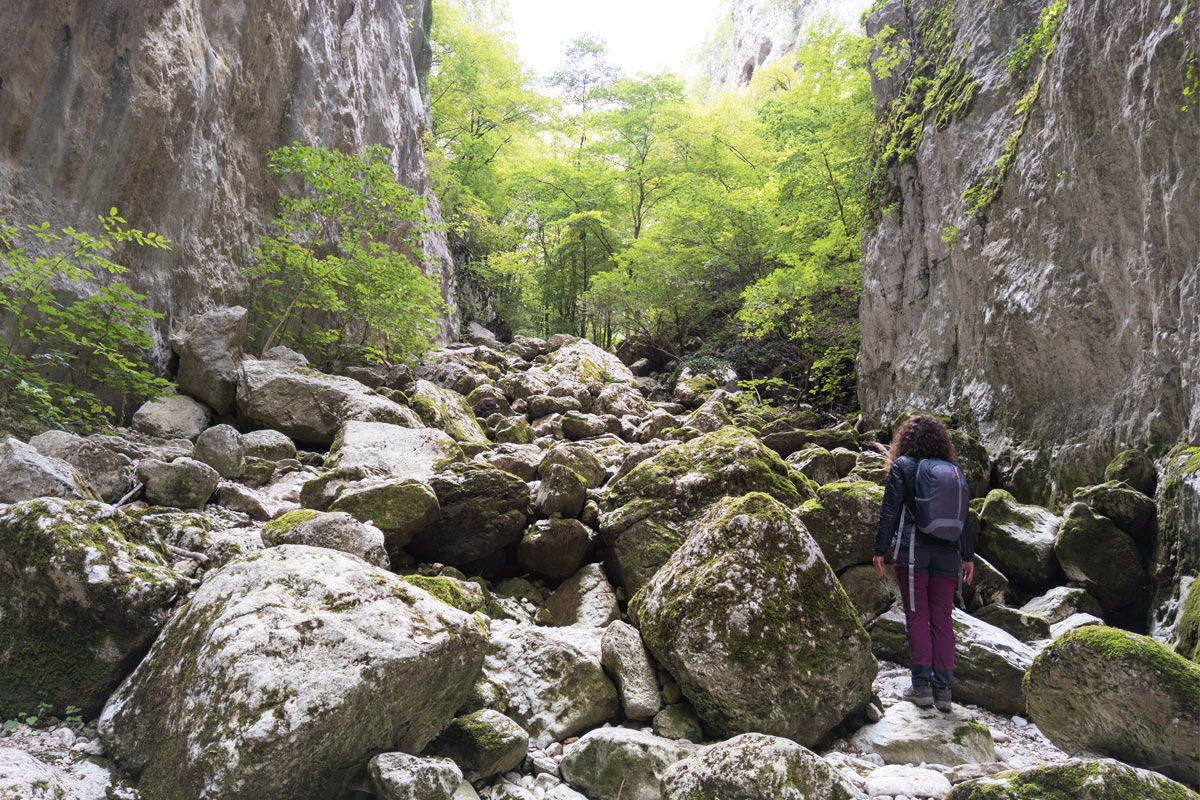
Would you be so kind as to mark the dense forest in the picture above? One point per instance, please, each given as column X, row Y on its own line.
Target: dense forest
column 669, row 223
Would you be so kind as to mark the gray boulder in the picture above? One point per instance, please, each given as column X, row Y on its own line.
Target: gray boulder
column 309, row 406
column 611, row 763
column 484, row 744
column 286, row 355
column 842, row 518
column 621, row 400
column 108, row 472
column 818, row 464
column 84, row 590
column 1026, row 627
column 172, row 417
column 754, row 626
column 580, row 361
column 210, row 350
column 871, row 595
column 709, row 417
column 183, row 483
column 577, row 457
column 648, row 509
column 1134, row 468
column 27, row 777
column 989, row 664
column 334, row 530
column 1079, row 779
column 555, row 548
column 1129, row 509
column 513, row 430
column 401, row 508
column 1143, row 700
column 908, row 734
column 1061, row 602
column 449, row 411
column 521, row 460
column 221, row 448
column 679, row 721
column 300, row 664
column 549, row 680
column 586, row 600
column 268, row 445
column 1019, row 540
column 26, row 474
column 624, row 656
column 483, row 510
column 562, row 492
column 387, row 449
column 755, row 766
column 1104, row 559
column 400, row 776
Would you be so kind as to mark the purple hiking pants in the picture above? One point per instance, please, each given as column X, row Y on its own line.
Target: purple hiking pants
column 930, row 631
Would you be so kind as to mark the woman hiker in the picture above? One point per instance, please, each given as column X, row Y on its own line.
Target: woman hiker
column 923, row 524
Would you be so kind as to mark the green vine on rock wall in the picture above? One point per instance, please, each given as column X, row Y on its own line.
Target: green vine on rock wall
column 1186, row 20
column 932, row 84
column 1032, row 52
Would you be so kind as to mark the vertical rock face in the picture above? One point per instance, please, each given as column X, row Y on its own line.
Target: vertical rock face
column 762, row 31
column 167, row 109
column 1062, row 316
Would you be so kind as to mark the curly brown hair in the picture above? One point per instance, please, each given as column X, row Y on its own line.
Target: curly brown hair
column 922, row 436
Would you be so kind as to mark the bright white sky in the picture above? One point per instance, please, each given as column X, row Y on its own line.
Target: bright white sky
column 642, row 35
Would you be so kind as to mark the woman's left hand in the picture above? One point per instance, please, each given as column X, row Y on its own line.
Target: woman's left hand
column 968, row 571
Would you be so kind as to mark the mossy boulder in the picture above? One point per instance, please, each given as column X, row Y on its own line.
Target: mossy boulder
column 870, row 594
column 483, row 509
column 1187, row 632
column 555, row 548
column 621, row 400
column 1104, row 559
column 562, row 492
column 842, row 518
column 307, row 405
column 608, row 763
column 679, row 721
column 787, row 442
column 973, row 457
column 1134, row 468
column 513, row 430
column 580, row 361
column 709, row 417
column 577, row 457
column 296, row 665
column 1130, row 510
column 1018, row 540
column 692, row 392
column 548, row 680
column 521, row 460
column 401, row 508
column 756, row 766
column 1024, row 626
column 449, row 412
column 1078, row 779
column 484, row 744
column 1105, row 691
column 1176, row 557
column 649, row 508
column 383, row 449
column 818, row 464
column 332, row 529
column 755, row 627
column 989, row 663
column 400, row 776
column 84, row 590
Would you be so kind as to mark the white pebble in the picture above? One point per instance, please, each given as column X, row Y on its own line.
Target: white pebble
column 999, row 735
column 1020, row 722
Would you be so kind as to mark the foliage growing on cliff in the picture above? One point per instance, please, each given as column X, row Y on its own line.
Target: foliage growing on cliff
column 75, row 337
column 341, row 277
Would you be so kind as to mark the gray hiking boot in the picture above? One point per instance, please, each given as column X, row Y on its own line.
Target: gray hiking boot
column 941, row 700
column 920, row 694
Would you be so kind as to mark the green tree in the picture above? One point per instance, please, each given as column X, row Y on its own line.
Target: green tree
column 75, row 336
column 341, row 276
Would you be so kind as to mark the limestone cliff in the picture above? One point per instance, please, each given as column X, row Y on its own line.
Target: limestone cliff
column 757, row 32
column 1049, row 297
column 166, row 110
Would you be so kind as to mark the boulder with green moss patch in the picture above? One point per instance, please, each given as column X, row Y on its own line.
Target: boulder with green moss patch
column 555, row 548
column 842, row 518
column 1130, row 510
column 608, row 763
column 1110, row 692
column 989, row 663
column 692, row 392
column 84, row 590
column 621, row 400
column 332, row 529
column 1078, row 779
column 307, row 405
column 1100, row 556
column 579, row 458
column 580, row 361
column 400, row 776
column 1175, row 562
column 295, row 665
column 908, row 734
column 483, row 509
column 709, row 417
column 550, row 679
column 401, row 508
column 1134, row 468
column 562, row 492
column 753, row 625
column 789, row 441
column 755, row 766
column 1019, row 540
column 449, row 412
column 484, row 744
column 386, row 449
column 650, row 508
column 977, row 466
column 818, row 464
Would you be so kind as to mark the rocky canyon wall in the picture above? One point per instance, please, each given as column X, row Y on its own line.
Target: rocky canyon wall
column 167, row 109
column 1062, row 319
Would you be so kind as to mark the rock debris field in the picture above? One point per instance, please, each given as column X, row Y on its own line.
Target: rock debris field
column 529, row 570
